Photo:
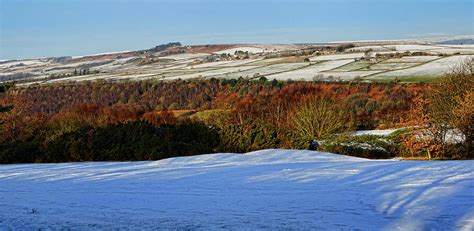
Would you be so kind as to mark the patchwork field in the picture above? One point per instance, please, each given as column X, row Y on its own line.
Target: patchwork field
column 431, row 68
column 407, row 62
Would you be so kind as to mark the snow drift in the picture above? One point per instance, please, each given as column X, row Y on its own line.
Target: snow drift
column 270, row 189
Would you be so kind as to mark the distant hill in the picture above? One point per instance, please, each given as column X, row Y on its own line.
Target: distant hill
column 457, row 42
column 163, row 47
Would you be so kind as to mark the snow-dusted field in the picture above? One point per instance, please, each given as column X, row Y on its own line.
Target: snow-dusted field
column 266, row 70
column 186, row 56
column 368, row 48
column 469, row 46
column 454, row 51
column 244, row 49
column 412, row 47
column 211, row 64
column 241, row 62
column 22, row 62
column 311, row 71
column 412, row 59
column 345, row 76
column 221, row 71
column 264, row 190
column 437, row 67
column 341, row 65
column 337, row 57
column 232, row 63
column 391, row 65
column 260, row 48
column 353, row 66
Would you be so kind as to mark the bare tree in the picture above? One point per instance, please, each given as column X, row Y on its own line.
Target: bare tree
column 319, row 118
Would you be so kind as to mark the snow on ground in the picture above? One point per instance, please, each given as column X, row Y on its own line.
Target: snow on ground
column 264, row 190
column 211, row 64
column 414, row 59
column 6, row 73
column 391, row 65
column 454, row 136
column 244, row 49
column 367, row 48
column 374, row 132
column 72, row 66
column 438, row 49
column 356, row 65
column 345, row 76
column 178, row 67
column 337, row 57
column 232, row 63
column 279, row 47
column 241, row 62
column 437, row 67
column 454, row 51
column 310, row 72
column 412, row 47
column 32, row 62
column 260, row 48
column 270, row 60
column 210, row 73
column 266, row 70
column 186, row 56
column 468, row 46
column 98, row 54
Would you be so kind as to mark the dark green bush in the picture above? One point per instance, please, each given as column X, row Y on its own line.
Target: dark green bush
column 255, row 136
column 131, row 141
column 18, row 152
column 365, row 146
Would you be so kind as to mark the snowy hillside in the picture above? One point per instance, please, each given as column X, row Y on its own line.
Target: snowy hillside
column 271, row 189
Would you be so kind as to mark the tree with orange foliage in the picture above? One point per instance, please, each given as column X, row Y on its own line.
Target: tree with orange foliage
column 158, row 118
column 121, row 113
column 451, row 109
column 464, row 120
column 167, row 116
column 17, row 124
column 244, row 110
column 421, row 138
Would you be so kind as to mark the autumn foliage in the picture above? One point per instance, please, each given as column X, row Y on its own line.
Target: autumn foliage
column 242, row 115
column 420, row 141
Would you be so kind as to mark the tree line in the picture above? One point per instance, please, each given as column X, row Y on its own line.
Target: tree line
column 137, row 121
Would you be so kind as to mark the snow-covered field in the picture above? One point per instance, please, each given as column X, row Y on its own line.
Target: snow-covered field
column 241, row 62
column 414, row 59
column 260, row 48
column 354, row 66
column 436, row 67
column 391, row 65
column 264, row 190
column 340, row 65
column 266, row 70
column 345, row 76
column 221, row 71
column 454, row 51
column 244, row 49
column 232, row 63
column 337, row 57
column 186, row 56
column 368, row 48
column 311, row 71
column 412, row 47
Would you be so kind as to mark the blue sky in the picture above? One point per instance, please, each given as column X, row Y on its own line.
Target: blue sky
column 40, row 28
